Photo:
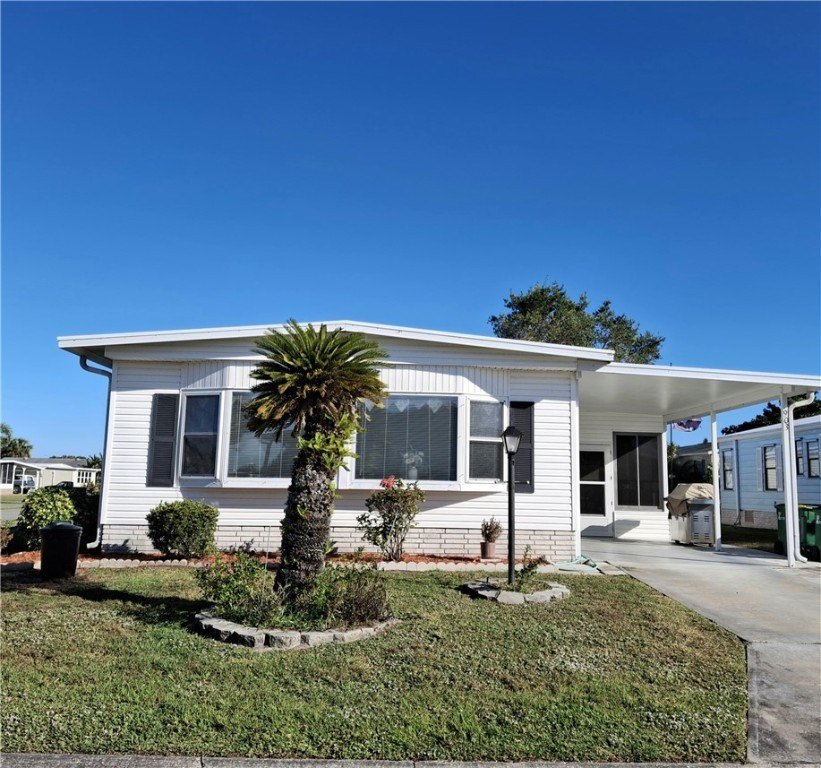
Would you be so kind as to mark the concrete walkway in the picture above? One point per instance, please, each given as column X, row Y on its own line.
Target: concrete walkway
column 777, row 612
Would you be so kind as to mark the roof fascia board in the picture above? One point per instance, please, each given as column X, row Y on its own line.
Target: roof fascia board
column 811, row 383
column 808, row 421
column 397, row 332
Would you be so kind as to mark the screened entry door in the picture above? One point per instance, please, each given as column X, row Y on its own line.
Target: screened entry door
column 595, row 490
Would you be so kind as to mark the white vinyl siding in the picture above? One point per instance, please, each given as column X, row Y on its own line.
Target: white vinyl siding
column 259, row 502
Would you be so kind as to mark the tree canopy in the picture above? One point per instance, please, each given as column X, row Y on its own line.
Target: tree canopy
column 12, row 446
column 772, row 415
column 547, row 313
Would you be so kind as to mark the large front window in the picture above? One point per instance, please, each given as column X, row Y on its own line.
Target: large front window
column 412, row 437
column 199, row 443
column 637, row 471
column 252, row 456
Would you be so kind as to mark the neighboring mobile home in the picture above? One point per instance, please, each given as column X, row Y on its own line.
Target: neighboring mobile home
column 593, row 457
column 39, row 473
column 752, row 472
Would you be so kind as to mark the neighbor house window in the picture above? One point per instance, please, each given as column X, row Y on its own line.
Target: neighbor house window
column 727, row 470
column 638, row 477
column 486, row 449
column 252, row 456
column 799, row 457
column 199, row 442
column 412, row 437
column 770, row 468
column 813, row 469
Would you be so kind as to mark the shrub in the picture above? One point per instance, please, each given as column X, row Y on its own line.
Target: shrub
column 87, row 505
column 41, row 507
column 345, row 596
column 6, row 534
column 242, row 590
column 185, row 528
column 391, row 512
column 526, row 575
column 491, row 529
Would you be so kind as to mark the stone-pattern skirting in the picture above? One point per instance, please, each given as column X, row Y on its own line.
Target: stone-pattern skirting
column 492, row 591
column 225, row 631
column 557, row 546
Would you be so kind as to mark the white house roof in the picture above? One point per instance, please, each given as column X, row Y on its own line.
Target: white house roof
column 807, row 422
column 41, row 464
column 94, row 346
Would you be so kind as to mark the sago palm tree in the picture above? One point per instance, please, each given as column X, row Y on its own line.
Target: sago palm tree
column 311, row 382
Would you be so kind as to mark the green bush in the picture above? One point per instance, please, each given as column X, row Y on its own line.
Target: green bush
column 87, row 505
column 185, row 528
column 41, row 507
column 344, row 596
column 391, row 512
column 242, row 590
column 6, row 534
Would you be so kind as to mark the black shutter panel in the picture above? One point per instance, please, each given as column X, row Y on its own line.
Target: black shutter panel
column 162, row 440
column 521, row 417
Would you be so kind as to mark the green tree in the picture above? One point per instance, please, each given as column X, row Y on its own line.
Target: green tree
column 13, row 446
column 311, row 381
column 772, row 415
column 95, row 461
column 546, row 313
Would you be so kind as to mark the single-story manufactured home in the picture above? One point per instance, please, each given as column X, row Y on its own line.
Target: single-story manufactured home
column 592, row 460
column 29, row 474
column 752, row 472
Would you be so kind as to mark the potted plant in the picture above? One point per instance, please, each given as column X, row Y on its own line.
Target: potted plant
column 491, row 530
column 413, row 460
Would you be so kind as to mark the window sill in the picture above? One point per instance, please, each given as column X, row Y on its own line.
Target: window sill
column 432, row 485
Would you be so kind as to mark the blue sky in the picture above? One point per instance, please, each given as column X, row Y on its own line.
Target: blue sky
column 187, row 165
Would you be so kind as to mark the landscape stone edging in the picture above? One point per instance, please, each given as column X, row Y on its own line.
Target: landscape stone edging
column 487, row 590
column 205, row 623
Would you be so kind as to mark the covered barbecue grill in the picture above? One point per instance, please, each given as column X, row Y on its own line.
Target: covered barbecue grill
column 691, row 507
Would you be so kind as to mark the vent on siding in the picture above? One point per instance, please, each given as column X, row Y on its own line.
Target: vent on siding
column 162, row 440
column 521, row 417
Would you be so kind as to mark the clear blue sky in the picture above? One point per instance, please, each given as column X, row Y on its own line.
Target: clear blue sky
column 186, row 165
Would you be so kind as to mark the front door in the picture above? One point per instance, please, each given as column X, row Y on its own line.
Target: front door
column 595, row 482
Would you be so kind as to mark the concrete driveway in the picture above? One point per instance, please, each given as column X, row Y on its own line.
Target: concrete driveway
column 777, row 612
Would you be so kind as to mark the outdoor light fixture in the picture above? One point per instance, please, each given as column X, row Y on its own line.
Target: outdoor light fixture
column 511, row 437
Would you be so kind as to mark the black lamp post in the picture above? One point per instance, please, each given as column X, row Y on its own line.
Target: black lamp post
column 512, row 437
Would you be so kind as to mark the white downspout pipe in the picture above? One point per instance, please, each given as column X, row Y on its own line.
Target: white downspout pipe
column 716, row 491
column 100, row 372
column 790, row 477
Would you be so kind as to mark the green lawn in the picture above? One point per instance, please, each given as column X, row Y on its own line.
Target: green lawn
column 614, row 672
column 751, row 538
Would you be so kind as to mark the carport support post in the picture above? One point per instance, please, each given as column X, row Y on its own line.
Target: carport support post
column 716, row 483
column 788, row 473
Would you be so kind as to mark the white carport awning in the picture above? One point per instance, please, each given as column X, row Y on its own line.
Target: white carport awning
column 681, row 393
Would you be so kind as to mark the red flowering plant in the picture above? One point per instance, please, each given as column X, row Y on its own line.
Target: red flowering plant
column 390, row 515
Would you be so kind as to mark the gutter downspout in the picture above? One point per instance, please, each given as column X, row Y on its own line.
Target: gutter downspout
column 793, row 507
column 100, row 372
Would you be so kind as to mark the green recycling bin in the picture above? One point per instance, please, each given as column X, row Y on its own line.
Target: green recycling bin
column 809, row 531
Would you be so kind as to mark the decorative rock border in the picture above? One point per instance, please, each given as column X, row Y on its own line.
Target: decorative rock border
column 205, row 623
column 491, row 590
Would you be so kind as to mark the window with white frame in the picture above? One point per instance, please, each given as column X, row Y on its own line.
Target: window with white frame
column 486, row 450
column 799, row 457
column 412, row 436
column 727, row 470
column 200, row 435
column 252, row 456
column 770, row 460
column 813, row 468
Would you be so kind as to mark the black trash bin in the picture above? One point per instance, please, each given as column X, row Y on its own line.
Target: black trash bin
column 59, row 547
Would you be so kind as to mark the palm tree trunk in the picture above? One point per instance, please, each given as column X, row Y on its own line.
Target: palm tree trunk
column 306, row 525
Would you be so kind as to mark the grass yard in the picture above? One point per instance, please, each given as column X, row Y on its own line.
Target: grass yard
column 616, row 671
column 751, row 538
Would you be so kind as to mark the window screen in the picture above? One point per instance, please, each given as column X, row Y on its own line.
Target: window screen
column 770, row 469
column 410, row 435
column 252, row 456
column 199, row 450
column 637, row 471
column 486, row 448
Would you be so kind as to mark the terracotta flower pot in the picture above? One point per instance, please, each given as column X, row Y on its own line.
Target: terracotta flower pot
column 488, row 550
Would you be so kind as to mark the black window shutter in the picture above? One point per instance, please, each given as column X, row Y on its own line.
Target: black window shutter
column 521, row 417
column 162, row 440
